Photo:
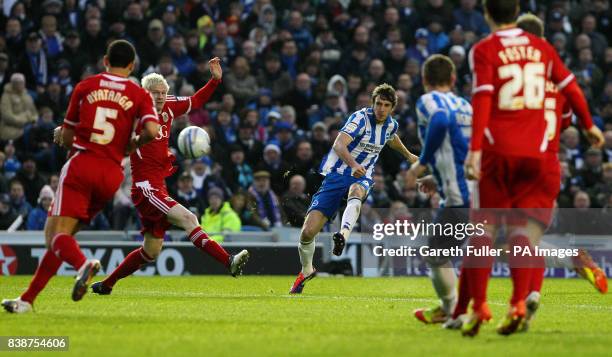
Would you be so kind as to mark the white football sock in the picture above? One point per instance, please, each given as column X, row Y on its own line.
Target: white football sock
column 306, row 254
column 444, row 280
column 350, row 215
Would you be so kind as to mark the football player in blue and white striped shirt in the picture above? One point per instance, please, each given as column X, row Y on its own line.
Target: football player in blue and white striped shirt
column 445, row 128
column 348, row 168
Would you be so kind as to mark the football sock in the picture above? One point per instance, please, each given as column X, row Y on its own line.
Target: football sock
column 48, row 267
column 477, row 270
column 200, row 239
column 350, row 215
column 520, row 268
column 67, row 249
column 134, row 261
column 444, row 281
column 306, row 254
column 463, row 300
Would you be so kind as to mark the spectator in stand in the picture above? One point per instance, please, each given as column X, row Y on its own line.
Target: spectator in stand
column 295, row 202
column 34, row 63
column 319, row 141
column 252, row 147
column 603, row 188
column 469, row 18
column 31, row 179
column 249, row 218
column 188, row 196
column 302, row 98
column 573, row 151
column 151, row 48
column 17, row 108
column 591, row 171
column 219, row 217
column 420, row 51
column 237, row 173
column 273, row 163
column 38, row 216
column 93, row 41
column 598, row 40
column 273, row 77
column 181, row 60
column 19, row 203
column 299, row 31
column 7, row 214
column 241, row 83
column 265, row 201
column 200, row 169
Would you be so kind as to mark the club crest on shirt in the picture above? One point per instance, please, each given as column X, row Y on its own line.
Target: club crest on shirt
column 165, row 117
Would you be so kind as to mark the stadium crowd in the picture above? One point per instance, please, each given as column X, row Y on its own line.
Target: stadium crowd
column 293, row 71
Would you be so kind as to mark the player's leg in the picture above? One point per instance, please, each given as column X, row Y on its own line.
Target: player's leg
column 477, row 270
column 356, row 195
column 182, row 217
column 48, row 267
column 442, row 270
column 136, row 259
column 314, row 222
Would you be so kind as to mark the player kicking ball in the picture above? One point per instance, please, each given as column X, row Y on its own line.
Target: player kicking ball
column 150, row 167
column 348, row 168
column 97, row 128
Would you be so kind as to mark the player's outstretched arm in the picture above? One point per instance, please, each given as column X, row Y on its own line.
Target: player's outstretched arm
column 396, row 144
column 341, row 148
column 203, row 94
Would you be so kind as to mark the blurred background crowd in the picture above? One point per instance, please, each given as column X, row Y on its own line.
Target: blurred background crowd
column 293, row 71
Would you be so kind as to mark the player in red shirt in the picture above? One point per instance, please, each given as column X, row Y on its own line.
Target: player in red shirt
column 510, row 70
column 558, row 117
column 151, row 165
column 102, row 113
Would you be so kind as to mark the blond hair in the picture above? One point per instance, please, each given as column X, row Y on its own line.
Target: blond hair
column 153, row 79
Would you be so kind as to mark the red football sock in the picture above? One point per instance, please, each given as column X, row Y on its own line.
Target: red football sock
column 67, row 249
column 520, row 268
column 200, row 239
column 477, row 270
column 537, row 274
column 463, row 300
column 46, row 270
column 136, row 259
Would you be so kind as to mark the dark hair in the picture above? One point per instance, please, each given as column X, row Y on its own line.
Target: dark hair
column 385, row 92
column 502, row 11
column 438, row 70
column 531, row 23
column 120, row 53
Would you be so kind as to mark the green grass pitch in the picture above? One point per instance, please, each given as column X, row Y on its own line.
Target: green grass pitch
column 254, row 315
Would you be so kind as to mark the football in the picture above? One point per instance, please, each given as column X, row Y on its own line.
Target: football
column 193, row 142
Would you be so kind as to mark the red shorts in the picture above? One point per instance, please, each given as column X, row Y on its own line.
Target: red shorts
column 509, row 183
column 86, row 184
column 153, row 204
column 551, row 185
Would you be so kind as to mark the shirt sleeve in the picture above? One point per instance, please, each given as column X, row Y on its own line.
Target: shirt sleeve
column 147, row 111
column 559, row 74
column 436, row 132
column 355, row 125
column 482, row 70
column 72, row 114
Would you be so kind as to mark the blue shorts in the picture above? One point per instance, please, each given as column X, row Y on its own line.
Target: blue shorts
column 332, row 190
